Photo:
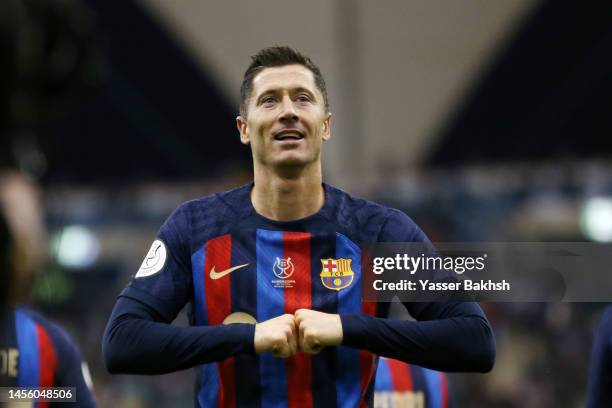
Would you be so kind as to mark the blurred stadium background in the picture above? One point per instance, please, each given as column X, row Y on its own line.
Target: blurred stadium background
column 484, row 121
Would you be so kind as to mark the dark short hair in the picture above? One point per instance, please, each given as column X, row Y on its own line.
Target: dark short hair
column 277, row 56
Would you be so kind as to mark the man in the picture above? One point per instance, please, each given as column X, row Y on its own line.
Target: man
column 33, row 351
column 600, row 373
column 272, row 328
column 402, row 385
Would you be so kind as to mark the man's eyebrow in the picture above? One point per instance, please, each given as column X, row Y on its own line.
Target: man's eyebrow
column 273, row 91
column 266, row 92
column 292, row 91
column 302, row 89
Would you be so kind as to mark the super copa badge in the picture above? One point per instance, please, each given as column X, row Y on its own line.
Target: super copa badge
column 283, row 269
column 154, row 261
column 337, row 274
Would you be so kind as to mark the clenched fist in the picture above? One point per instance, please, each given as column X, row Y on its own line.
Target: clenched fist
column 317, row 330
column 277, row 335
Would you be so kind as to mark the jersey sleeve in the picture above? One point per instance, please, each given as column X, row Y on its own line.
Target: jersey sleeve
column 447, row 336
column 139, row 338
column 136, row 341
column 398, row 227
column 164, row 280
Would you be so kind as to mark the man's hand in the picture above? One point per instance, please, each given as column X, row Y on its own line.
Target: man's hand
column 277, row 335
column 317, row 330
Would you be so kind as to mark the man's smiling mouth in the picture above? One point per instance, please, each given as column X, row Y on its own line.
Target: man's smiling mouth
column 289, row 135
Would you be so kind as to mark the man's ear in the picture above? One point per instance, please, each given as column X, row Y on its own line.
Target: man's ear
column 327, row 127
column 241, row 124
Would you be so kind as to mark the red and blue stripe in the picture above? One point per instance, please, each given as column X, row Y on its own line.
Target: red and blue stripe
column 244, row 299
column 271, row 303
column 337, row 376
column 37, row 356
column 208, row 377
column 437, row 395
column 350, row 388
column 299, row 367
column 396, row 376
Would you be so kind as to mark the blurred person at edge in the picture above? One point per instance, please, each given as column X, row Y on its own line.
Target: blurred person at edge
column 403, row 385
column 599, row 389
column 34, row 352
column 272, row 270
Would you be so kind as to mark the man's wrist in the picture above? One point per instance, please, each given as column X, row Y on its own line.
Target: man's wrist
column 242, row 334
column 352, row 329
column 340, row 328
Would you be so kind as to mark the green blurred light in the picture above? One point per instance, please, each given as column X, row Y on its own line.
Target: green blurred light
column 53, row 287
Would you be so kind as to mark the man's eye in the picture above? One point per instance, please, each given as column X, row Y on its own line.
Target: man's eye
column 268, row 100
column 303, row 98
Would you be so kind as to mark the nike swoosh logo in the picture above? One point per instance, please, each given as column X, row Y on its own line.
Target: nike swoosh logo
column 217, row 275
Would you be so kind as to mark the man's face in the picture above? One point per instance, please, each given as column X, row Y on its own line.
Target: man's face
column 287, row 121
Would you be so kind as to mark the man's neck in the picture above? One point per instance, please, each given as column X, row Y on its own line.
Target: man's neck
column 289, row 195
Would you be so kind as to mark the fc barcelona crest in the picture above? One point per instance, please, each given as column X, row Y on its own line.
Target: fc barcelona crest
column 337, row 273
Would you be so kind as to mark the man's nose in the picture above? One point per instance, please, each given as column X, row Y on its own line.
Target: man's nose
column 288, row 111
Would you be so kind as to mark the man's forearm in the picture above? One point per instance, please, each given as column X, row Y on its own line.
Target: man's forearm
column 135, row 342
column 463, row 343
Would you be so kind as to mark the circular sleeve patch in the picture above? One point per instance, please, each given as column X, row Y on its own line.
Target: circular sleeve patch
column 154, row 261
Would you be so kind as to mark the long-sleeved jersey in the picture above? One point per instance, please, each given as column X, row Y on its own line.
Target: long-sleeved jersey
column 236, row 267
